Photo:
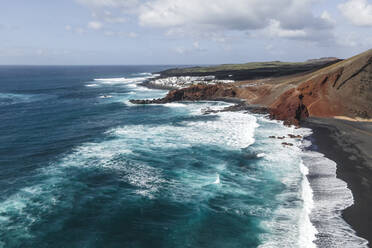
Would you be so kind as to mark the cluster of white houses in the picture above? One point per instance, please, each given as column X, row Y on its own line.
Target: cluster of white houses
column 185, row 81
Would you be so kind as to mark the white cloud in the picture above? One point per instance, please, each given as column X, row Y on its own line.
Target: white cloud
column 275, row 30
column 241, row 15
column 95, row 25
column 208, row 19
column 68, row 28
column 359, row 12
column 217, row 14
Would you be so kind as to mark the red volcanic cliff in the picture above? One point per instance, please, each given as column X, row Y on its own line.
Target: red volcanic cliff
column 343, row 89
column 311, row 98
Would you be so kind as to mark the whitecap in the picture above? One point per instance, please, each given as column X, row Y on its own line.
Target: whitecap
column 261, row 155
column 122, row 80
column 290, row 225
column 91, row 85
column 323, row 195
column 232, row 130
column 105, row 96
column 175, row 105
column 145, row 74
column 218, row 181
column 307, row 229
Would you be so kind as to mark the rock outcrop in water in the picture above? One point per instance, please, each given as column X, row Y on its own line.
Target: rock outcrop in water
column 194, row 93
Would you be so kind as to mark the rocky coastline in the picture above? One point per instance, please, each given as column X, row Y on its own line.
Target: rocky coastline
column 312, row 99
column 222, row 92
column 341, row 89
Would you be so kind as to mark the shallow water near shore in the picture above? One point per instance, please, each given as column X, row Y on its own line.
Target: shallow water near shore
column 83, row 167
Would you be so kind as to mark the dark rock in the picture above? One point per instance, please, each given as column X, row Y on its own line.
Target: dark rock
column 292, row 136
column 194, row 93
column 287, row 144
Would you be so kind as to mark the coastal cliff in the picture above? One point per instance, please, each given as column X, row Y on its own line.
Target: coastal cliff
column 195, row 93
column 344, row 89
column 341, row 89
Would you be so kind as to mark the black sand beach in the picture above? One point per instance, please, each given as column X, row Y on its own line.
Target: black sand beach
column 349, row 144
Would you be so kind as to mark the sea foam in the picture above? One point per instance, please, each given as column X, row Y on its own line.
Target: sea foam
column 290, row 225
column 110, row 154
column 125, row 80
column 331, row 197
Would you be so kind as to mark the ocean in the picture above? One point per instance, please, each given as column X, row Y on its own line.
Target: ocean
column 80, row 166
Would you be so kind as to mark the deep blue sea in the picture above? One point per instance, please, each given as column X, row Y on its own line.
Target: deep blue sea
column 80, row 166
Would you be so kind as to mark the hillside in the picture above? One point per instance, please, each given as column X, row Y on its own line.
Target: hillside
column 342, row 89
column 252, row 70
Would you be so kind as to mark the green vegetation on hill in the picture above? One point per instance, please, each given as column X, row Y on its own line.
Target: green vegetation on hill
column 247, row 66
column 251, row 70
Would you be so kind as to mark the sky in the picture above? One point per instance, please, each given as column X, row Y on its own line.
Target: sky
column 134, row 32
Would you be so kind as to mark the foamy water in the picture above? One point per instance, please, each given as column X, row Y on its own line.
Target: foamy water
column 331, row 197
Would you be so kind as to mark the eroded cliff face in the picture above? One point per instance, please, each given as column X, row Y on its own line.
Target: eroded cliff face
column 311, row 98
column 342, row 90
column 289, row 108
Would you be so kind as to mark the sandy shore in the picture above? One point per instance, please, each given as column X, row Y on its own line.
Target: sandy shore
column 349, row 144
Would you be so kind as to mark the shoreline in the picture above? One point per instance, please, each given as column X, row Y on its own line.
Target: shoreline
column 344, row 142
column 347, row 144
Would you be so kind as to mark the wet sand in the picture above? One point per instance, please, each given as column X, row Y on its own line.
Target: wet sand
column 349, row 144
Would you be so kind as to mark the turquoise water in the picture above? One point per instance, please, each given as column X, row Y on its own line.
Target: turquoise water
column 82, row 167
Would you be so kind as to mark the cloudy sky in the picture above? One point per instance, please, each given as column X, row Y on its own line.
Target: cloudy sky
column 181, row 31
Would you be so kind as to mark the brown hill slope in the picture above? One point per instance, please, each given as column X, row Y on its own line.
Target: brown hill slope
column 342, row 89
